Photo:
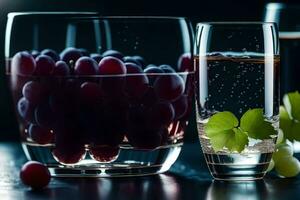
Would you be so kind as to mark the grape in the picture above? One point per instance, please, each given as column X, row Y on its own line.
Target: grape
column 33, row 92
column 44, row 115
column 23, row 64
column 84, row 52
column 180, row 106
column 169, row 87
column 152, row 69
column 85, row 66
column 111, row 65
column 287, row 166
column 141, row 60
column 104, row 153
column 90, row 92
column 162, row 114
column 137, row 83
column 167, row 68
column 61, row 69
column 185, row 63
column 40, row 135
column 51, row 53
column 97, row 57
column 282, row 150
column 68, row 154
column 149, row 98
column 113, row 53
column 271, row 165
column 144, row 139
column 35, row 175
column 70, row 55
column 44, row 65
column 34, row 53
column 129, row 59
column 25, row 109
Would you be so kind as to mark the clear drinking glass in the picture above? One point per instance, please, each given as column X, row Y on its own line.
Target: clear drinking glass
column 114, row 102
column 237, row 77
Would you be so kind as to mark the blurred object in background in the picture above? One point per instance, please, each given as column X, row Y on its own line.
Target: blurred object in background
column 287, row 17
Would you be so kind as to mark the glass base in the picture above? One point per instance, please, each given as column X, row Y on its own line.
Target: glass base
column 238, row 167
column 130, row 162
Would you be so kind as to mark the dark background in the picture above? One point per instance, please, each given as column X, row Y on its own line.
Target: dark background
column 196, row 10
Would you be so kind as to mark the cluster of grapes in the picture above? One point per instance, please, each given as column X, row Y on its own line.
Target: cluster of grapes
column 78, row 100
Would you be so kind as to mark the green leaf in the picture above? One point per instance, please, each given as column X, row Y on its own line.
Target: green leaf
column 254, row 124
column 222, row 131
column 220, row 122
column 237, row 140
column 291, row 102
column 285, row 123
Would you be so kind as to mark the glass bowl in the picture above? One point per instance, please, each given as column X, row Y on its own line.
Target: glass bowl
column 100, row 96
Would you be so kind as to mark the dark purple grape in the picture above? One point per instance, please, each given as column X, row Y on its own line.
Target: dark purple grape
column 23, row 64
column 136, row 84
column 25, row 109
column 180, row 106
column 104, row 153
column 70, row 55
column 44, row 65
column 129, row 59
column 162, row 114
column 110, row 65
column 34, row 53
column 51, row 53
column 33, row 92
column 145, row 139
column 84, row 52
column 113, row 53
column 97, row 57
column 40, row 135
column 185, row 63
column 169, row 87
column 44, row 115
column 152, row 72
column 85, row 66
column 149, row 98
column 69, row 144
column 61, row 69
column 141, row 60
column 90, row 92
column 167, row 68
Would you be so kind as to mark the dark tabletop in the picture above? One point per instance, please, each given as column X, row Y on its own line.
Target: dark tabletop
column 187, row 179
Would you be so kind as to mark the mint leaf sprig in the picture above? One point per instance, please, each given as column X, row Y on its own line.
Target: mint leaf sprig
column 224, row 129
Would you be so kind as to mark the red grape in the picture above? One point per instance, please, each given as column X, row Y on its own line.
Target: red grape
column 23, row 64
column 129, row 59
column 25, row 109
column 61, row 69
column 85, row 66
column 167, row 68
column 162, row 114
column 113, row 53
column 141, row 60
column 180, row 106
column 84, row 52
column 111, row 65
column 44, row 65
column 68, row 154
column 51, row 53
column 169, row 87
column 33, row 92
column 70, row 55
column 90, row 92
column 185, row 63
column 44, row 115
column 34, row 53
column 40, row 135
column 136, row 84
column 104, row 153
column 35, row 175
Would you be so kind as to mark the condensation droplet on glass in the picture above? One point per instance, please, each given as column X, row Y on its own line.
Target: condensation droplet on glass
column 240, row 110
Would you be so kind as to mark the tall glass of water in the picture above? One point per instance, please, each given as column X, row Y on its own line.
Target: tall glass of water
column 237, row 97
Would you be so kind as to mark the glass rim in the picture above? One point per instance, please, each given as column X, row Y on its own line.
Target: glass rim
column 92, row 15
column 228, row 23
